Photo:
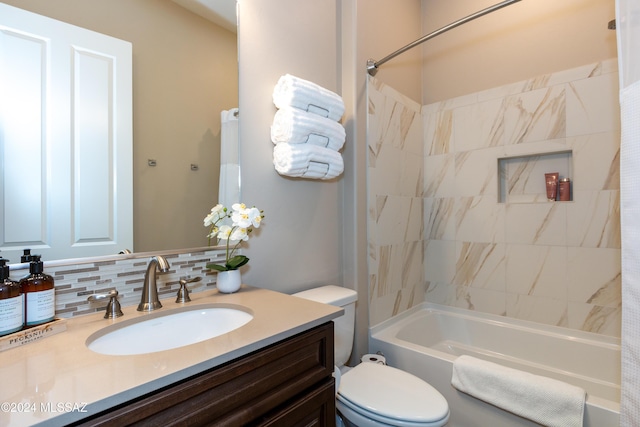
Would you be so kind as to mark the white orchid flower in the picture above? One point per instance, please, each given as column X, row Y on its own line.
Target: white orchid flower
column 217, row 213
column 239, row 233
column 224, row 232
column 255, row 217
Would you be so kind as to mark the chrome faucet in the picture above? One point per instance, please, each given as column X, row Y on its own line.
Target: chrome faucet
column 150, row 300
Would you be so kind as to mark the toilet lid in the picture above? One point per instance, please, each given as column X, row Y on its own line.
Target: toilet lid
column 392, row 393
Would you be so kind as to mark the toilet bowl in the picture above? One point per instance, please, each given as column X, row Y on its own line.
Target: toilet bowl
column 372, row 394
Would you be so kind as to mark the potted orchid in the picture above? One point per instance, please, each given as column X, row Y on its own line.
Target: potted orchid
column 233, row 227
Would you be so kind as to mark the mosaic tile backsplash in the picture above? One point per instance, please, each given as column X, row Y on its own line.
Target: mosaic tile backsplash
column 76, row 280
column 513, row 254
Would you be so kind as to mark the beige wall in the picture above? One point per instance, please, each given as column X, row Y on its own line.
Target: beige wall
column 298, row 245
column 184, row 73
column 525, row 39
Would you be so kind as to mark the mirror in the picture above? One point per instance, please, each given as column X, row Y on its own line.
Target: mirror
column 185, row 73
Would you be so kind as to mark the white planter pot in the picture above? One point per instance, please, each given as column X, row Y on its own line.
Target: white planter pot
column 229, row 281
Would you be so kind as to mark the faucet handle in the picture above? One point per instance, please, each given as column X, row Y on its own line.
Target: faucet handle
column 113, row 306
column 183, row 292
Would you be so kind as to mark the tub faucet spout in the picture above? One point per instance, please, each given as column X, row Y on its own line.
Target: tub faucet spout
column 149, row 300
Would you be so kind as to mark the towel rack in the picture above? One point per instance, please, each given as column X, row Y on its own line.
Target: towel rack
column 372, row 65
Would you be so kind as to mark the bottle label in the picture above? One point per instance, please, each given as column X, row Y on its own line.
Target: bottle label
column 11, row 314
column 40, row 307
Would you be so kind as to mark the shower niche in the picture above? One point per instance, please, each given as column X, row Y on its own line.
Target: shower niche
column 521, row 178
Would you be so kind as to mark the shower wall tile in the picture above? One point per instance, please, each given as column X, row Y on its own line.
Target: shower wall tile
column 596, row 161
column 478, row 125
column 438, row 130
column 556, row 263
column 480, row 265
column 440, row 218
column 544, row 310
column 479, row 219
column 536, row 223
column 537, row 271
column 594, row 276
column 533, row 116
column 439, row 176
column 594, row 219
column 396, row 220
column 440, row 261
column 476, row 172
column 593, row 105
column 594, row 318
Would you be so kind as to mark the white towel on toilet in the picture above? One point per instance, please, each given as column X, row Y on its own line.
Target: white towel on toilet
column 307, row 161
column 299, row 93
column 544, row 400
column 294, row 126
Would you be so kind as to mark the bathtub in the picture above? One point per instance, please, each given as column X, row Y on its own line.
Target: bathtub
column 427, row 339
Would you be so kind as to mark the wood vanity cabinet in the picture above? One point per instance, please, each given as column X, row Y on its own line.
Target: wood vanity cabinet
column 288, row 383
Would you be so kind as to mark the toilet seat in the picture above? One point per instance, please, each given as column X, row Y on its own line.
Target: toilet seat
column 392, row 396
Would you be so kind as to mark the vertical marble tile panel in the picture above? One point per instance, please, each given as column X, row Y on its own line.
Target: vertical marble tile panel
column 548, row 311
column 440, row 261
column 537, row 224
column 440, row 218
column 539, row 271
column 439, row 176
column 438, row 132
column 596, row 161
column 596, row 319
column 593, row 105
column 478, row 126
column 479, row 219
column 384, row 175
column 595, row 276
column 389, row 274
column 412, row 265
column 391, row 216
column 476, row 172
column 535, row 116
column 480, row 265
column 594, row 219
column 410, row 174
column 482, row 300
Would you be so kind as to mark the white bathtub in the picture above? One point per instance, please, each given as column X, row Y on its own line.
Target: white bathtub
column 426, row 340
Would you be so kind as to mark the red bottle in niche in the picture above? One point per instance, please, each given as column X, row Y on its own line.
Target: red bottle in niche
column 564, row 190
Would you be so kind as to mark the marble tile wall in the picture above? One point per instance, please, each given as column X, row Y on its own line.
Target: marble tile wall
column 396, row 206
column 76, row 280
column 438, row 228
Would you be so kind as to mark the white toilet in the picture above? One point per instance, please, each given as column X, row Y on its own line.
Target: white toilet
column 371, row 394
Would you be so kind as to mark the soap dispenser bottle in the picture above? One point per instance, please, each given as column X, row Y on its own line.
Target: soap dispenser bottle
column 39, row 294
column 11, row 302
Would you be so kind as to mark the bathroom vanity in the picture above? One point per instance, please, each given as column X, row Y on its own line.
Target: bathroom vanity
column 275, row 370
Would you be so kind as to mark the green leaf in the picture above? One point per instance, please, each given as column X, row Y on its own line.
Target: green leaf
column 237, row 262
column 217, row 267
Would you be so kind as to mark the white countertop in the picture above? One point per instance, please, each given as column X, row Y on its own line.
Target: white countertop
column 60, row 377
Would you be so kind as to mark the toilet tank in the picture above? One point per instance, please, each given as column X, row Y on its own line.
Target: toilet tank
column 344, row 325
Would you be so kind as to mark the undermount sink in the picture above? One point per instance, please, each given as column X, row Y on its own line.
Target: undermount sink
column 168, row 329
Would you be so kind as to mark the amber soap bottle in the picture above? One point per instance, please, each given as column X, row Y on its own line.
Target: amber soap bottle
column 39, row 294
column 11, row 302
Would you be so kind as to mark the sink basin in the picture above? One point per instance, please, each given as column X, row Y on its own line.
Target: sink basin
column 168, row 329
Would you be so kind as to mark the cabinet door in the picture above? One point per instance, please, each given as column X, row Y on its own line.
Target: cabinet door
column 65, row 139
column 315, row 409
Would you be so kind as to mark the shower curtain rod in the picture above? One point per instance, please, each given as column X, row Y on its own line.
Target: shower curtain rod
column 372, row 65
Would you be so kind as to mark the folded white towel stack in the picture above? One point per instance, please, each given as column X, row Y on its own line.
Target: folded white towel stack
column 294, row 126
column 299, row 93
column 544, row 400
column 306, row 130
column 308, row 161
